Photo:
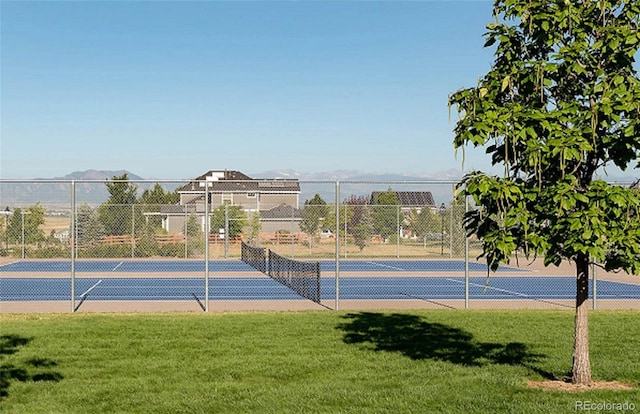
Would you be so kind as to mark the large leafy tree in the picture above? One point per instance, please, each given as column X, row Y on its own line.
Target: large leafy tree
column 25, row 225
column 424, row 221
column 228, row 217
column 116, row 214
column 156, row 195
column 560, row 104
column 150, row 202
column 359, row 221
column 88, row 226
column 386, row 213
column 313, row 214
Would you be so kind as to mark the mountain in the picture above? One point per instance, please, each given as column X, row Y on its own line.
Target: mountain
column 56, row 192
column 354, row 175
column 99, row 175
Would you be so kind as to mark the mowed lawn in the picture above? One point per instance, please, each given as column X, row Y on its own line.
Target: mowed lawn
column 444, row 361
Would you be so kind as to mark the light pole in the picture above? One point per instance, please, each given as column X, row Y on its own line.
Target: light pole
column 22, row 212
column 442, row 214
column 6, row 213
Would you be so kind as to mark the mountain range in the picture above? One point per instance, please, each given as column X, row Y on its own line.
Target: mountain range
column 56, row 192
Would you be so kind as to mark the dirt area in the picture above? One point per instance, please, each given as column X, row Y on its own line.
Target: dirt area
column 566, row 386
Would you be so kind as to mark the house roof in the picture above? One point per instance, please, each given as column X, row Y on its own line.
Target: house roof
column 409, row 198
column 283, row 211
column 178, row 209
column 235, row 181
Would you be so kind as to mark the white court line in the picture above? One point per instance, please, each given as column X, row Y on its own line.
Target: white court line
column 9, row 264
column 615, row 281
column 91, row 288
column 387, row 266
column 510, row 292
column 117, row 266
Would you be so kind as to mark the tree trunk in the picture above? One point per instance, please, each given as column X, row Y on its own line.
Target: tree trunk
column 581, row 370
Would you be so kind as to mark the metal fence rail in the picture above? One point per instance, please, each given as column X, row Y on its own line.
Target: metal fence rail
column 165, row 245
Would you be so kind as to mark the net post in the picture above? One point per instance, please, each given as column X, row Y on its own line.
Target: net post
column 337, row 246
column 318, row 283
column 72, row 236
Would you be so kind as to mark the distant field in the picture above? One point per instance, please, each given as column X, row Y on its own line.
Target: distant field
column 55, row 223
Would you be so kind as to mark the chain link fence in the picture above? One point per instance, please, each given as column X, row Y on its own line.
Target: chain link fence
column 124, row 245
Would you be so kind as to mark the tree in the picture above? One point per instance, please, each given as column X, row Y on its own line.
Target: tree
column 313, row 215
column 150, row 202
column 14, row 226
column 4, row 235
column 359, row 223
column 195, row 240
column 193, row 227
column 254, row 228
column 25, row 225
column 423, row 222
column 156, row 195
column 117, row 212
column 88, row 226
column 228, row 217
column 386, row 212
column 560, row 103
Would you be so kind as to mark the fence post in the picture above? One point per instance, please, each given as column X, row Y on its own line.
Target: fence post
column 454, row 206
column 186, row 235
column 207, row 226
column 133, row 231
column 226, row 230
column 72, row 236
column 337, row 242
column 398, row 231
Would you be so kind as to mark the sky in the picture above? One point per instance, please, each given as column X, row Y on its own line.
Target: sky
column 172, row 89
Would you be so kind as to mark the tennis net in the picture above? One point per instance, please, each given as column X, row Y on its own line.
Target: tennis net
column 301, row 277
column 255, row 257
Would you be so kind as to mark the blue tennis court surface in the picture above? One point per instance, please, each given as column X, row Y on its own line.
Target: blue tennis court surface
column 167, row 280
column 264, row 288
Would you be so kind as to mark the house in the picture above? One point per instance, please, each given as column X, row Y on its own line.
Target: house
column 62, row 236
column 276, row 200
column 409, row 199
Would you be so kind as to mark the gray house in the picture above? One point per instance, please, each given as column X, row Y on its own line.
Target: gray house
column 409, row 199
column 276, row 200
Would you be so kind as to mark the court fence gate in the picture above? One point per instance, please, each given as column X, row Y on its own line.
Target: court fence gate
column 129, row 245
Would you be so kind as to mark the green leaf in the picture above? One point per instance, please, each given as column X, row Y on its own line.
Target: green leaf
column 505, row 83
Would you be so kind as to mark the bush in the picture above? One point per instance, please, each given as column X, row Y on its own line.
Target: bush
column 49, row 252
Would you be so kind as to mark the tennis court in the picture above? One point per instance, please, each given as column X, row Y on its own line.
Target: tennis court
column 434, row 282
column 263, row 288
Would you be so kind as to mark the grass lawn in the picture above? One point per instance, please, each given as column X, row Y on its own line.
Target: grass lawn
column 442, row 361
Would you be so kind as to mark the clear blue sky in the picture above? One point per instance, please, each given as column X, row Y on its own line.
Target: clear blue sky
column 171, row 89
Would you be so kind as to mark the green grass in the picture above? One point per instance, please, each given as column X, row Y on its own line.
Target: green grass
column 307, row 362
